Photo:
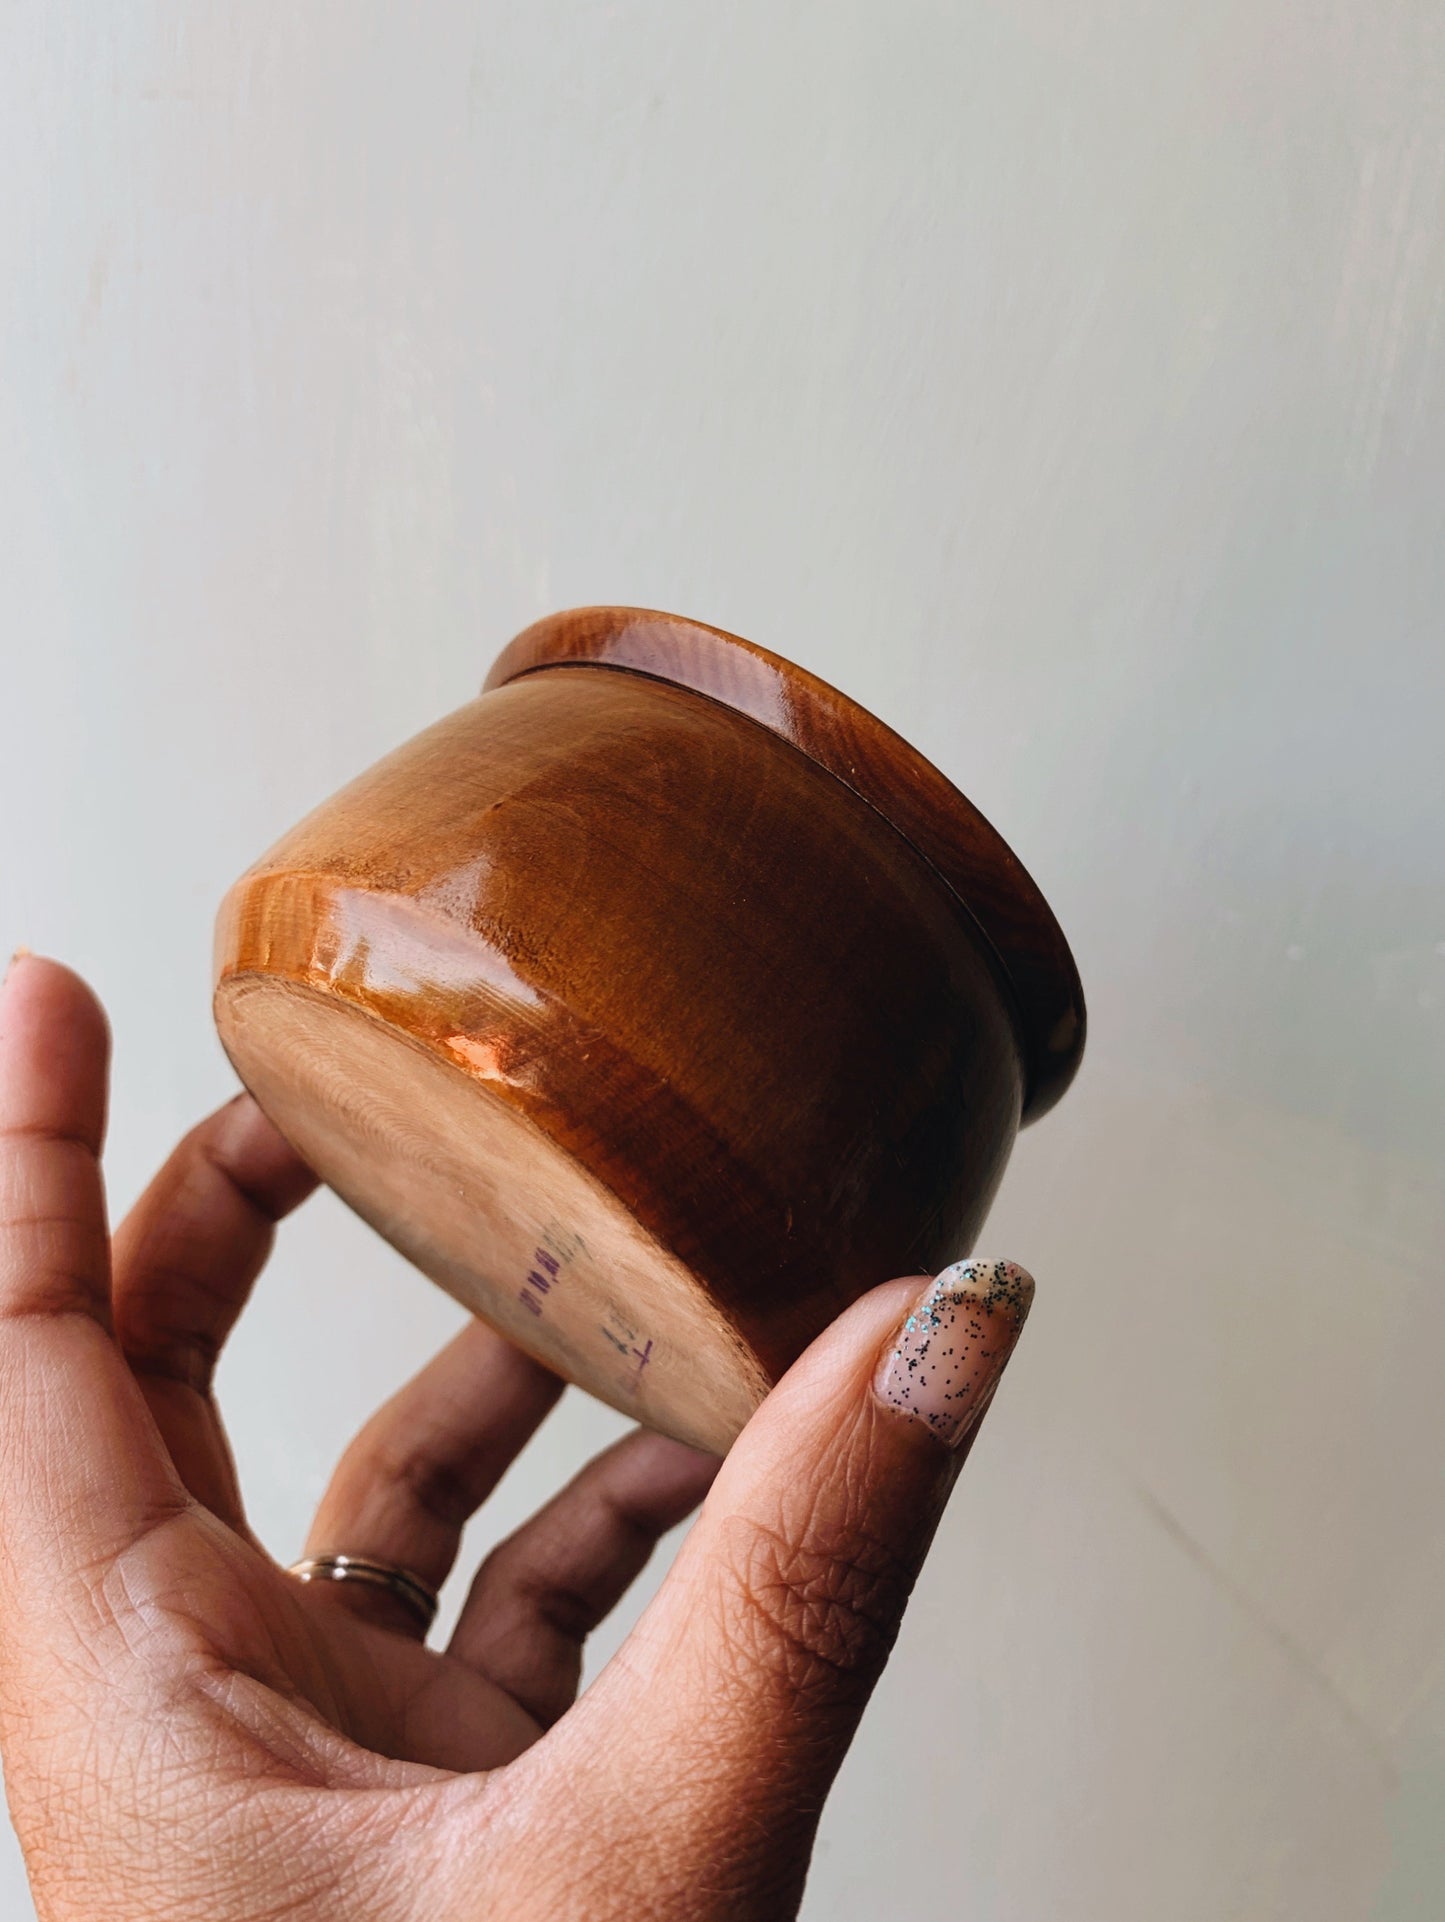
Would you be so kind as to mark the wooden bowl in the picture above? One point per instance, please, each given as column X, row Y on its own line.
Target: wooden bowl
column 656, row 1004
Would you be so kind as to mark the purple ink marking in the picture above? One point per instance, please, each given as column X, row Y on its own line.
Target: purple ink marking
column 540, row 1280
column 643, row 1356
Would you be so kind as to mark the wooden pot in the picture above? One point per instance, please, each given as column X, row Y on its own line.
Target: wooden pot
column 656, row 1004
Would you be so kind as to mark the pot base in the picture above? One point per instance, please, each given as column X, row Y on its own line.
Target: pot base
column 490, row 1208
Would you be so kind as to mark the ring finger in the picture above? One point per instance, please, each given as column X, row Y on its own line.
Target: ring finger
column 422, row 1466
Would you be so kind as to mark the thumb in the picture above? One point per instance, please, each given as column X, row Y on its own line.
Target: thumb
column 730, row 1707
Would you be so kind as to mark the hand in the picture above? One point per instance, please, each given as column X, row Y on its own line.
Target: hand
column 190, row 1732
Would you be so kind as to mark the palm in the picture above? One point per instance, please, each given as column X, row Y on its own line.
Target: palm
column 383, row 1690
column 355, row 1655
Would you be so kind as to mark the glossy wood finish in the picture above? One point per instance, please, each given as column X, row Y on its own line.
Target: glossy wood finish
column 724, row 1029
column 852, row 744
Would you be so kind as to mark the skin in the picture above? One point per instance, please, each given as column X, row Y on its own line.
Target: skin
column 190, row 1732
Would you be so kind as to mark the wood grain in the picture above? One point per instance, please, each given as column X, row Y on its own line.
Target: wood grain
column 685, row 959
column 990, row 881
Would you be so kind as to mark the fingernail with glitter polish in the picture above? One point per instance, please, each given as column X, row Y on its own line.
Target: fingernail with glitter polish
column 944, row 1363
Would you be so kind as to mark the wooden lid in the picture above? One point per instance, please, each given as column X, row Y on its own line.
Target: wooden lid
column 837, row 734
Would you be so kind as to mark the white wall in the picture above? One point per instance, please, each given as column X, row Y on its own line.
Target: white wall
column 1067, row 382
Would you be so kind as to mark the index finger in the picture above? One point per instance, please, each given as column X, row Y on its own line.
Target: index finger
column 83, row 1472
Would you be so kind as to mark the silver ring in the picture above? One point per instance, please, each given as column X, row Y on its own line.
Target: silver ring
column 418, row 1595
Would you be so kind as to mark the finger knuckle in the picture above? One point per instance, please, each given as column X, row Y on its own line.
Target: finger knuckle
column 54, row 1245
column 820, row 1611
column 163, row 1331
column 436, row 1486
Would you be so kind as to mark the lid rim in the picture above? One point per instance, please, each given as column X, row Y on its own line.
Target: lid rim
column 848, row 741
